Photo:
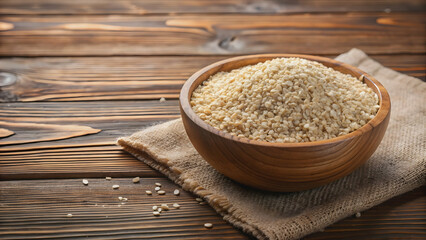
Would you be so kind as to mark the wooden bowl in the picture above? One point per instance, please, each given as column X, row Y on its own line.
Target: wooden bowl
column 283, row 167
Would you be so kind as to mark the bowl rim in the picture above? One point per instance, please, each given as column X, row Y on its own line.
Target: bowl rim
column 382, row 113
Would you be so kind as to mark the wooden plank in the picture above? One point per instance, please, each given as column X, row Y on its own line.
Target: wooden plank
column 413, row 65
column 38, row 209
column 55, row 153
column 72, row 162
column 378, row 33
column 128, row 78
column 46, row 132
column 99, row 78
column 113, row 118
column 200, row 6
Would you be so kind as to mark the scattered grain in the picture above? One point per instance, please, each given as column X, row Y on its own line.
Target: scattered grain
column 85, row 182
column 158, row 184
column 165, row 207
column 162, row 99
column 358, row 215
column 154, row 207
column 148, row 192
column 108, row 178
column 175, row 205
column 155, row 213
column 199, row 199
column 176, row 192
column 120, row 198
column 69, row 215
column 157, row 188
column 136, row 179
column 208, row 225
column 161, row 192
column 115, row 186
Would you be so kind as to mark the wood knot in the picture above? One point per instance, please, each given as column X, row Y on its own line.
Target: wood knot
column 225, row 43
column 7, row 79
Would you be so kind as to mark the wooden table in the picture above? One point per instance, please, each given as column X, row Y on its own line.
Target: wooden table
column 84, row 72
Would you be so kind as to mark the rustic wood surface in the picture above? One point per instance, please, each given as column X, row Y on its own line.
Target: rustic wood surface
column 90, row 71
column 129, row 78
column 38, row 210
column 203, row 34
column 124, row 7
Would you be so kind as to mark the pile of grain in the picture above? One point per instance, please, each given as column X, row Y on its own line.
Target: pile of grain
column 285, row 100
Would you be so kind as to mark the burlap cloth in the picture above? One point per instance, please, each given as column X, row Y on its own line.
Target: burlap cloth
column 396, row 167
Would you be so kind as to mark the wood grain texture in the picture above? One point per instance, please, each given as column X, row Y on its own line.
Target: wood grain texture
column 129, row 78
column 5, row 132
column 283, row 167
column 413, row 65
column 65, row 155
column 201, row 6
column 381, row 33
column 114, row 118
column 41, row 132
column 98, row 78
column 72, row 161
column 38, row 210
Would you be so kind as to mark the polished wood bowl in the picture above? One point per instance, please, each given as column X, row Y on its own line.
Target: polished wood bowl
column 283, row 167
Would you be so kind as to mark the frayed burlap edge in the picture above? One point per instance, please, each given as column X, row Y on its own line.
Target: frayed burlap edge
column 219, row 203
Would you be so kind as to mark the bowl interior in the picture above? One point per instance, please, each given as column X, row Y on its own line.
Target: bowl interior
column 233, row 63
